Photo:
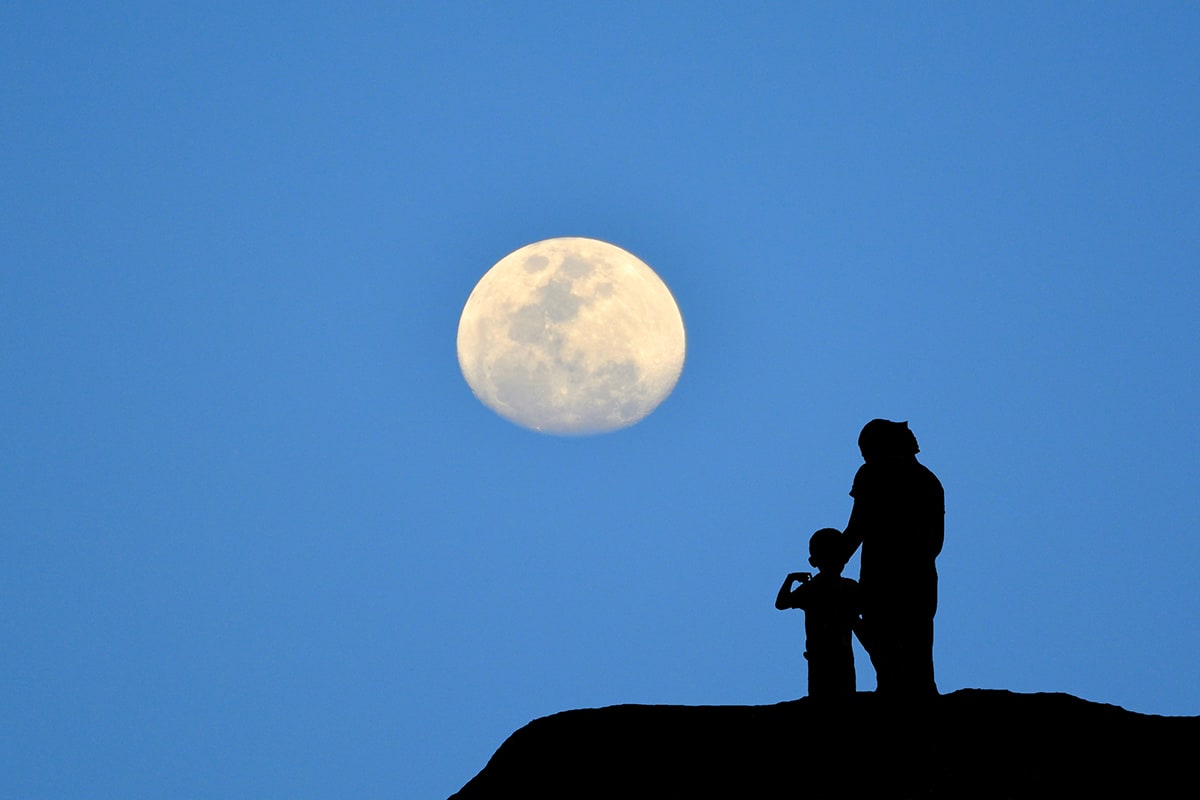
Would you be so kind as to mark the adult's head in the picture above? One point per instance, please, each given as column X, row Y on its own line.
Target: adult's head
column 883, row 439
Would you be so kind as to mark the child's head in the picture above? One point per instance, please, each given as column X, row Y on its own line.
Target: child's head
column 826, row 551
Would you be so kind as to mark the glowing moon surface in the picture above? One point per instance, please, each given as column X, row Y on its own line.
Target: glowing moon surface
column 571, row 336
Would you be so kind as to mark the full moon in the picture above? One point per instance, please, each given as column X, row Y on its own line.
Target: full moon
column 571, row 336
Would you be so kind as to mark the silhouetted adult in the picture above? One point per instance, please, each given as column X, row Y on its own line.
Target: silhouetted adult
column 899, row 519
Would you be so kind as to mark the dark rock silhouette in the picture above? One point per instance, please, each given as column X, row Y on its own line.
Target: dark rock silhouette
column 968, row 744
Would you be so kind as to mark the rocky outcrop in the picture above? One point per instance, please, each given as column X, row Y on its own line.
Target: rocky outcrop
column 969, row 744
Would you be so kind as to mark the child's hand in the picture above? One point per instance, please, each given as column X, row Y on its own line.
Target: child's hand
column 800, row 577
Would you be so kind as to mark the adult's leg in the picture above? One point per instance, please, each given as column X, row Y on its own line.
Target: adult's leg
column 914, row 656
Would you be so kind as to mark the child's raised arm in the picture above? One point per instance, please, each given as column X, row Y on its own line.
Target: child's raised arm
column 787, row 595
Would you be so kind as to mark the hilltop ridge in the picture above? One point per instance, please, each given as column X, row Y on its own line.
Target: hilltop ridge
column 969, row 743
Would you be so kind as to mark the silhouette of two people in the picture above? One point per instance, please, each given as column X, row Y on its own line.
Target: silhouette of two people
column 898, row 519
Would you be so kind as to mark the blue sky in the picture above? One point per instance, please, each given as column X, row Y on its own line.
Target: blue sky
column 257, row 537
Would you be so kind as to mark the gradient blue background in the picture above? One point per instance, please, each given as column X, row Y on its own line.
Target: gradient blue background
column 257, row 537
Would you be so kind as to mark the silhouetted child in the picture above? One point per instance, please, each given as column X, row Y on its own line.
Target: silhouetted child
column 831, row 607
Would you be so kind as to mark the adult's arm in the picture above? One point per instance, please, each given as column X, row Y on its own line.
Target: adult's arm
column 852, row 536
column 856, row 527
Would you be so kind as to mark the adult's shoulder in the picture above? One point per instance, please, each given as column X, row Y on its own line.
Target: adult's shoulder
column 864, row 479
column 928, row 476
column 931, row 488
